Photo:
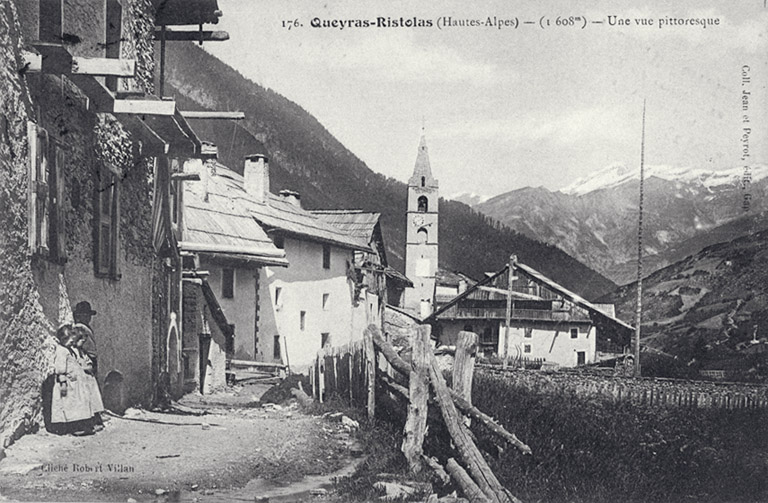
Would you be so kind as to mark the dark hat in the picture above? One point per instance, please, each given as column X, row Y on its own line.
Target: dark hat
column 84, row 307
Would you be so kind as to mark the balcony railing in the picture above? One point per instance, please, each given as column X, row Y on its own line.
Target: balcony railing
column 474, row 313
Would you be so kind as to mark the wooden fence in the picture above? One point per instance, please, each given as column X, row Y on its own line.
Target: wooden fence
column 644, row 391
column 355, row 372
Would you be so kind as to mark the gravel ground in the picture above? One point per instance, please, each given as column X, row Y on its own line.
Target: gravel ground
column 180, row 456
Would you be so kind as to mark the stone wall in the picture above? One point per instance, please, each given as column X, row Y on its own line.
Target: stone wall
column 26, row 344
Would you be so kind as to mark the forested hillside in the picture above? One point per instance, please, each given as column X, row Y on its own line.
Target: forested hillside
column 305, row 157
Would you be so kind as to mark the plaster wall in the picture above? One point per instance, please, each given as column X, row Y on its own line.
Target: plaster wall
column 302, row 285
column 241, row 309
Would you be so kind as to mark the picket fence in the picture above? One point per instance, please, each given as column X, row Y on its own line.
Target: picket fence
column 645, row 391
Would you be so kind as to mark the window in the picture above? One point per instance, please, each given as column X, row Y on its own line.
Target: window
column 423, row 180
column 527, row 348
column 422, row 236
column 276, row 353
column 326, row 256
column 423, row 204
column 228, row 283
column 46, row 195
column 574, row 333
column 325, row 339
column 302, row 319
column 326, row 296
column 528, row 332
column 278, row 296
column 107, row 221
column 279, row 242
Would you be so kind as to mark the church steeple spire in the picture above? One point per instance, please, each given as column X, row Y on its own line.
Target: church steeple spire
column 422, row 171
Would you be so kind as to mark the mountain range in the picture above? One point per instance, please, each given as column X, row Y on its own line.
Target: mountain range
column 594, row 219
column 305, row 157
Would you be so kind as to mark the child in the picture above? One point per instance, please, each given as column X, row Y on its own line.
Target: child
column 70, row 406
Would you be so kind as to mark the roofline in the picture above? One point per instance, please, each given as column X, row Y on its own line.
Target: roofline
column 583, row 303
column 317, row 239
column 276, row 257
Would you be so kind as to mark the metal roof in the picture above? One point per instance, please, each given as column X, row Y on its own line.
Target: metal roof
column 355, row 223
column 225, row 190
column 222, row 225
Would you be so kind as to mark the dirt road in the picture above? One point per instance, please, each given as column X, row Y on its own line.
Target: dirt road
column 150, row 456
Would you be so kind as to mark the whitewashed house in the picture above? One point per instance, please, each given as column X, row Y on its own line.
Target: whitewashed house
column 284, row 277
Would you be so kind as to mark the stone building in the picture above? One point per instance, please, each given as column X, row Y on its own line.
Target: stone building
column 86, row 153
column 421, row 238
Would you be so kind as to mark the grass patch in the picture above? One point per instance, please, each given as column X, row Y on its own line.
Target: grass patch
column 597, row 450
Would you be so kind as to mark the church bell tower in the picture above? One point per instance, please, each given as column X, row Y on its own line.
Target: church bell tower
column 421, row 235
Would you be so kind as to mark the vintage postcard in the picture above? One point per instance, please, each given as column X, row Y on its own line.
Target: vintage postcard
column 383, row 251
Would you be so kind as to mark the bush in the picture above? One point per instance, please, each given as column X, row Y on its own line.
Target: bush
column 598, row 450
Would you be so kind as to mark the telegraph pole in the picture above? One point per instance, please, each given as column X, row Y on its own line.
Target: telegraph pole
column 639, row 314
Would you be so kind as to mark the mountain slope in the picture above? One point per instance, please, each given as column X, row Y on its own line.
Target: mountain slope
column 595, row 218
column 708, row 306
column 305, row 157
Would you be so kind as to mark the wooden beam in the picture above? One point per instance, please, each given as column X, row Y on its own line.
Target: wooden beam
column 468, row 452
column 192, row 35
column 32, row 62
column 189, row 114
column 464, row 365
column 104, row 67
column 152, row 143
column 370, row 371
column 100, row 99
column 418, row 392
column 186, row 177
column 145, row 107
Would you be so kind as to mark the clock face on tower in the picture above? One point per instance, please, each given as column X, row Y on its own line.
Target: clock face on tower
column 418, row 220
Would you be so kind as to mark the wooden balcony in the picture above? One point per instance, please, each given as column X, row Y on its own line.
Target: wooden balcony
column 493, row 313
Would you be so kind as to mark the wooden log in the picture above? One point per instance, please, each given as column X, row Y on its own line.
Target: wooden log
column 468, row 451
column 433, row 463
column 399, row 390
column 370, row 371
column 464, row 365
column 212, row 115
column 491, row 424
column 465, row 482
column 418, row 392
column 401, row 366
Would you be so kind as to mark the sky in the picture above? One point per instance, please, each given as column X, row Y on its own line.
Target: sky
column 535, row 105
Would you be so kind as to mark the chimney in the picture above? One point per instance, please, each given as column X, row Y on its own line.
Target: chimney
column 292, row 197
column 256, row 176
column 462, row 285
column 209, row 151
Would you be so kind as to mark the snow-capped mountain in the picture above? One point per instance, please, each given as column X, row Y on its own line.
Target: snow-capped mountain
column 469, row 198
column 595, row 218
column 618, row 174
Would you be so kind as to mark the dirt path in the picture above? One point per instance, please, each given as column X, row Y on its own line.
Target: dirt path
column 143, row 452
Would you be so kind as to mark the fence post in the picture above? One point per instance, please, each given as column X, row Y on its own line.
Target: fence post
column 464, row 364
column 418, row 392
column 370, row 371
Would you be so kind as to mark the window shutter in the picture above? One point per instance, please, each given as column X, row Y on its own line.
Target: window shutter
column 60, row 239
column 115, row 241
column 32, row 186
column 41, row 192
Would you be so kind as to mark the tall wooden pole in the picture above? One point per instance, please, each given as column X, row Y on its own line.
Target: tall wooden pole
column 639, row 314
column 508, row 316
